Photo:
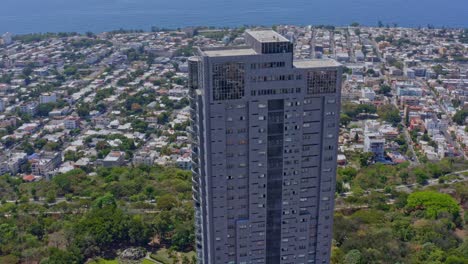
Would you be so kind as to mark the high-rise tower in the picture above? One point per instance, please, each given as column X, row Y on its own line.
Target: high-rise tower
column 265, row 130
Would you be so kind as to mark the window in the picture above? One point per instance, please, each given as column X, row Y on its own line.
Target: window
column 228, row 81
column 321, row 82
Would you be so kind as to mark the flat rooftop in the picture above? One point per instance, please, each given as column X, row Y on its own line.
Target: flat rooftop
column 264, row 36
column 304, row 64
column 226, row 52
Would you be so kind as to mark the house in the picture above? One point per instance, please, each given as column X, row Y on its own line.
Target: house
column 71, row 122
column 29, row 108
column 184, row 163
column 114, row 159
column 144, row 157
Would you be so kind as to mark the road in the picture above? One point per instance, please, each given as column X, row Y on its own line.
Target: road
column 313, row 33
column 415, row 160
column 352, row 56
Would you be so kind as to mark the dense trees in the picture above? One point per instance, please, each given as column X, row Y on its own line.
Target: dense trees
column 370, row 176
column 151, row 207
column 353, row 110
column 403, row 232
column 389, row 113
column 460, row 117
column 384, row 89
column 102, row 213
column 433, row 204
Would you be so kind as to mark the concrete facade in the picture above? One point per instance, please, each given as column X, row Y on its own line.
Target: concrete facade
column 265, row 131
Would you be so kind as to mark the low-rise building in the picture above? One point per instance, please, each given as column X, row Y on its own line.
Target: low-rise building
column 44, row 163
column 375, row 144
column 46, row 98
column 114, row 159
column 184, row 163
column 144, row 158
column 29, row 108
column 71, row 122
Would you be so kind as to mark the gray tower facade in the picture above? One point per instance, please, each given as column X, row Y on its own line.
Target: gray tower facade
column 265, row 131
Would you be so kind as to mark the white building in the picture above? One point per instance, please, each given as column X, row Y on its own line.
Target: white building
column 144, row 158
column 7, row 38
column 44, row 163
column 184, row 163
column 368, row 93
column 375, row 143
column 71, row 122
column 46, row 98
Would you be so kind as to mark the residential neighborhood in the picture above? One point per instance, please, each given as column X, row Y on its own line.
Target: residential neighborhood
column 120, row 98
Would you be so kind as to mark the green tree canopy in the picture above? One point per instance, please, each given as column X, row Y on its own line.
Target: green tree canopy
column 432, row 203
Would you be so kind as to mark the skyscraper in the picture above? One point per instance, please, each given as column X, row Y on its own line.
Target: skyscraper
column 265, row 131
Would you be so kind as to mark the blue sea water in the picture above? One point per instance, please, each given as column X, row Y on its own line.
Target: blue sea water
column 26, row 16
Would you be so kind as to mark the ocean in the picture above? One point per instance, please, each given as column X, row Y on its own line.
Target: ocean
column 29, row 16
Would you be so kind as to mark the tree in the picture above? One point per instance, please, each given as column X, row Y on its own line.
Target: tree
column 72, row 155
column 58, row 256
column 353, row 257
column 355, row 24
column 345, row 119
column 384, row 89
column 140, row 125
column 364, row 158
column 44, row 109
column 83, row 110
column 27, row 147
column 166, row 202
column 460, row 117
column 432, row 203
column 183, row 236
column 51, row 195
column 356, row 137
column 421, row 176
column 70, row 70
column 8, row 142
column 163, row 118
column 389, row 113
